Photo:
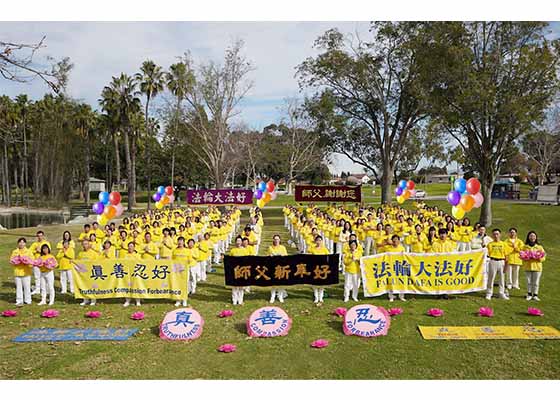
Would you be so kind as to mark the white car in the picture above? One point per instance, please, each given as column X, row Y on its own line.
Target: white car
column 420, row 194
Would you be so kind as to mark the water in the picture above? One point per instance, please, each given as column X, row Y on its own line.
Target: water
column 25, row 220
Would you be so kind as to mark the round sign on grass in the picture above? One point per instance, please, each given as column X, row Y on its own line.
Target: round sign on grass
column 269, row 322
column 366, row 320
column 181, row 324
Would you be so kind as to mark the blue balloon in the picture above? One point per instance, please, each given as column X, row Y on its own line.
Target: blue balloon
column 399, row 191
column 262, row 186
column 402, row 184
column 161, row 190
column 460, row 185
column 104, row 197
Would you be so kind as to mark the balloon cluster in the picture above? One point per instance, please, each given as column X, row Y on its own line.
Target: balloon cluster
column 404, row 190
column 163, row 196
column 465, row 197
column 265, row 192
column 108, row 207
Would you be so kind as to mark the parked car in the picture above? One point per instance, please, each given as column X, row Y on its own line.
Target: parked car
column 420, row 194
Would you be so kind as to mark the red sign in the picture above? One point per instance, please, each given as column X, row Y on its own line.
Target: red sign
column 312, row 193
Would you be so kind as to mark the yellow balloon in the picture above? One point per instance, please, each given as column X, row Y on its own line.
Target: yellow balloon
column 457, row 212
column 400, row 199
column 102, row 219
column 260, row 203
column 159, row 205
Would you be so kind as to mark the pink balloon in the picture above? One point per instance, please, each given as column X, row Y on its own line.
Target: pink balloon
column 273, row 195
column 171, row 198
column 478, row 199
column 120, row 209
column 412, row 193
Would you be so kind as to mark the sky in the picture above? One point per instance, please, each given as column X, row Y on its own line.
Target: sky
column 100, row 50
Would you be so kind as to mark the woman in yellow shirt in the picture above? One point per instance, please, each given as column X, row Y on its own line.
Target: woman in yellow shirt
column 21, row 259
column 66, row 235
column 319, row 248
column 238, row 251
column 131, row 255
column 395, row 247
column 149, row 250
column 108, row 251
column 416, row 240
column 533, row 266
column 65, row 257
column 182, row 254
column 166, row 246
column 194, row 266
column 47, row 267
column 514, row 246
column 352, row 257
column 277, row 249
column 204, row 245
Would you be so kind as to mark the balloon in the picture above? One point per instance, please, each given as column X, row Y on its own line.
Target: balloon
column 164, row 200
column 262, row 186
column 473, row 186
column 467, row 202
column 402, row 184
column 260, row 203
column 168, row 190
column 102, row 220
column 270, row 186
column 171, row 198
column 110, row 212
column 156, row 197
column 412, row 192
column 258, row 194
column 159, row 205
column 406, row 194
column 398, row 190
column 120, row 209
column 161, row 190
column 460, row 185
column 114, row 198
column 266, row 197
column 478, row 199
column 273, row 195
column 98, row 208
column 410, row 185
column 400, row 199
column 104, row 197
column 453, row 197
column 457, row 212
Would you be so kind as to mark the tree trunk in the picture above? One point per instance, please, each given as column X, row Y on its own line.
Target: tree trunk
column 386, row 180
column 148, row 154
column 133, row 162
column 218, row 178
column 88, row 162
column 131, row 199
column 117, row 159
column 172, row 165
column 7, row 194
column 487, row 180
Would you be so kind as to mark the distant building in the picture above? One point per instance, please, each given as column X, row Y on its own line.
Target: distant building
column 438, row 178
column 359, row 178
column 96, row 185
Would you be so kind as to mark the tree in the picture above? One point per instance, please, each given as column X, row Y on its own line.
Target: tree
column 489, row 82
column 151, row 80
column 368, row 99
column 543, row 147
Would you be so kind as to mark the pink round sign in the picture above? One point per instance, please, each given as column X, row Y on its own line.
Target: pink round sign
column 269, row 322
column 367, row 321
column 181, row 324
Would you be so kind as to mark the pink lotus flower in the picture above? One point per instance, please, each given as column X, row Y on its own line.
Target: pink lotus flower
column 538, row 254
column 227, row 348
column 37, row 262
column 340, row 311
column 435, row 312
column 535, row 312
column 395, row 311
column 15, row 260
column 50, row 263
column 26, row 260
column 138, row 315
column 320, row 343
column 9, row 313
column 93, row 314
column 225, row 313
column 485, row 312
column 50, row 313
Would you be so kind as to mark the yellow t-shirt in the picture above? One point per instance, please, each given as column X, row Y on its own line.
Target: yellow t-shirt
column 497, row 250
column 533, row 265
column 36, row 247
column 318, row 251
column 238, row 251
column 64, row 258
column 393, row 249
column 514, row 246
column 149, row 251
column 352, row 260
column 88, row 255
column 279, row 250
column 22, row 269
column 166, row 248
column 445, row 246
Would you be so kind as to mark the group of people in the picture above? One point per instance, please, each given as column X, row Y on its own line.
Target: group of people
column 357, row 232
column 197, row 237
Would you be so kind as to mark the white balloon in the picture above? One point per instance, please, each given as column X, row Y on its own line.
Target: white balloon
column 273, row 195
column 120, row 209
column 478, row 199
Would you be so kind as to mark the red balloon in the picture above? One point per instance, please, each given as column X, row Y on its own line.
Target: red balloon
column 473, row 186
column 410, row 185
column 114, row 198
column 169, row 190
column 270, row 186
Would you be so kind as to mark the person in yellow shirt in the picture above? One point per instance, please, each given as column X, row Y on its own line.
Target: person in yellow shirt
column 99, row 234
column 132, row 254
column 533, row 267
column 351, row 258
column 277, row 249
column 36, row 250
column 319, row 249
column 497, row 253
column 443, row 244
column 431, row 238
column 464, row 235
column 87, row 254
column 513, row 262
column 149, row 250
column 194, row 266
column 369, row 228
column 182, row 254
column 204, row 246
column 47, row 275
column 238, row 251
column 66, row 235
column 108, row 252
column 416, row 240
column 65, row 257
column 22, row 272
column 395, row 247
column 166, row 247
column 122, row 244
column 85, row 234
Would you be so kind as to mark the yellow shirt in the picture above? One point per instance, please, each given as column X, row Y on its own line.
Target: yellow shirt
column 88, row 255
column 132, row 256
column 318, row 251
column 238, row 251
column 416, row 242
column 64, row 258
column 352, row 261
column 46, row 257
column 533, row 265
column 149, row 251
column 60, row 245
column 393, row 249
column 36, row 247
column 497, row 250
column 22, row 269
column 203, row 249
column 514, row 246
column 279, row 250
column 445, row 246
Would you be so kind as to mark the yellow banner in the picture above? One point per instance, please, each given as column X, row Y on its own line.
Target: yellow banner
column 424, row 273
column 488, row 332
column 143, row 279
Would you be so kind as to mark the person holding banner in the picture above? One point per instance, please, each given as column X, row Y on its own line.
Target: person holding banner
column 65, row 257
column 277, row 249
column 395, row 247
column 22, row 272
column 497, row 253
column 238, row 251
column 132, row 255
column 352, row 257
column 90, row 255
column 319, row 248
column 533, row 265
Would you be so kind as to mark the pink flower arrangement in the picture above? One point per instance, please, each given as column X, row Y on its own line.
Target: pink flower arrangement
column 395, row 311
column 15, row 260
column 531, row 254
column 26, row 260
column 37, row 262
column 93, row 314
column 9, row 313
column 435, row 312
column 485, row 312
column 50, row 313
column 50, row 263
column 227, row 348
column 340, row 311
column 138, row 315
column 225, row 313
column 535, row 312
column 320, row 343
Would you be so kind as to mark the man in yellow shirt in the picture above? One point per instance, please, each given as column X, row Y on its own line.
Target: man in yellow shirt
column 36, row 250
column 64, row 257
column 351, row 258
column 277, row 249
column 497, row 253
column 444, row 244
column 318, row 248
column 149, row 250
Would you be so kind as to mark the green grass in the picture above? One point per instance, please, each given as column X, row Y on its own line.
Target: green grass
column 403, row 354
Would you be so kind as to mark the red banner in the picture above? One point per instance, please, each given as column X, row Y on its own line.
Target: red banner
column 312, row 193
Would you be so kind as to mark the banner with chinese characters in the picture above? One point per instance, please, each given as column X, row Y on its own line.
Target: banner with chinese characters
column 144, row 279
column 424, row 273
column 488, row 332
column 219, row 197
column 300, row 269
column 311, row 193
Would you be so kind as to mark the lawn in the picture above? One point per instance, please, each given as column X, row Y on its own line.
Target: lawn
column 403, row 354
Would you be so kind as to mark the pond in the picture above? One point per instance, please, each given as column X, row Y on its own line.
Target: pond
column 25, row 220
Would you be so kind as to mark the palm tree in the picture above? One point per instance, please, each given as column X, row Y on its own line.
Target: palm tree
column 151, row 80
column 179, row 80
